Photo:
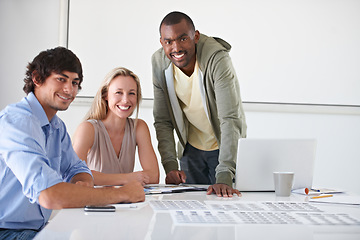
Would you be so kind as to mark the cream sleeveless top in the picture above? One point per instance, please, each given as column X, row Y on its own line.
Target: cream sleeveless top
column 102, row 156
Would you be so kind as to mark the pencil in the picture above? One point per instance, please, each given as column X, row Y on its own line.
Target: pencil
column 322, row 196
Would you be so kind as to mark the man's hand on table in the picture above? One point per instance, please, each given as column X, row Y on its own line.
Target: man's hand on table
column 222, row 190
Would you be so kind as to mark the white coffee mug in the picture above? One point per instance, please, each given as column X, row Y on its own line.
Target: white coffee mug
column 283, row 183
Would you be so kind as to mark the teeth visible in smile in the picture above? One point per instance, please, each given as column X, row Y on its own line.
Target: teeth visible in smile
column 178, row 55
column 124, row 108
column 65, row 98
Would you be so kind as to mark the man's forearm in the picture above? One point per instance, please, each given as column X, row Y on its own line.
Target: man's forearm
column 67, row 195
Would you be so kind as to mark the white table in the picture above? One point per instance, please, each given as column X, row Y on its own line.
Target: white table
column 145, row 223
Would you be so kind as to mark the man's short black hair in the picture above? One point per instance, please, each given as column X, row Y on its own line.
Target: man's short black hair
column 54, row 60
column 175, row 18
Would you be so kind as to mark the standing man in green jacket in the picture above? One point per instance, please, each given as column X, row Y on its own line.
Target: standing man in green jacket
column 196, row 92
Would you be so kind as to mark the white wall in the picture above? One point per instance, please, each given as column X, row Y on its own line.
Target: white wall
column 27, row 27
column 298, row 46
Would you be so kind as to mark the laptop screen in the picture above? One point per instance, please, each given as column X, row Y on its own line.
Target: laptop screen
column 257, row 159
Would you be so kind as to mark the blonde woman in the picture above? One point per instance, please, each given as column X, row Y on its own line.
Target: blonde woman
column 107, row 140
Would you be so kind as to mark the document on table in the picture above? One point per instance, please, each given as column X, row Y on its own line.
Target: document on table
column 160, row 205
column 317, row 191
column 263, row 206
column 233, row 205
column 338, row 199
column 160, row 188
column 236, row 212
column 260, row 217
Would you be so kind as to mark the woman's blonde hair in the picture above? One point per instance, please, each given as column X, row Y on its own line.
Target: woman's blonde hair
column 99, row 108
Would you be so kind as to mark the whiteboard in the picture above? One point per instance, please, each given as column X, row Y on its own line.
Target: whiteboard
column 284, row 51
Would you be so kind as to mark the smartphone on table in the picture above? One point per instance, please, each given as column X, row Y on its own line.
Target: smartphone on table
column 108, row 208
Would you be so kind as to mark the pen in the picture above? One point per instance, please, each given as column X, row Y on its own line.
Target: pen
column 322, row 196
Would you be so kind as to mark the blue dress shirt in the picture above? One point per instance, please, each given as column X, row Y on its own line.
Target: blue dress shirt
column 35, row 154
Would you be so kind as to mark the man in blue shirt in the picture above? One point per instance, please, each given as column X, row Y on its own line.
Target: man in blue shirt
column 39, row 169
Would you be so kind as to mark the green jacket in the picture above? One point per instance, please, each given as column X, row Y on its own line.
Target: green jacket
column 221, row 99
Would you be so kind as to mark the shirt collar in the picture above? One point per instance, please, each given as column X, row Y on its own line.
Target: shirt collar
column 178, row 72
column 39, row 112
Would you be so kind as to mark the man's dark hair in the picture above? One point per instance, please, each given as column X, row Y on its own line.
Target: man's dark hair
column 175, row 18
column 54, row 60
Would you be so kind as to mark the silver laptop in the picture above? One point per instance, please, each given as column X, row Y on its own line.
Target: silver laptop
column 257, row 159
